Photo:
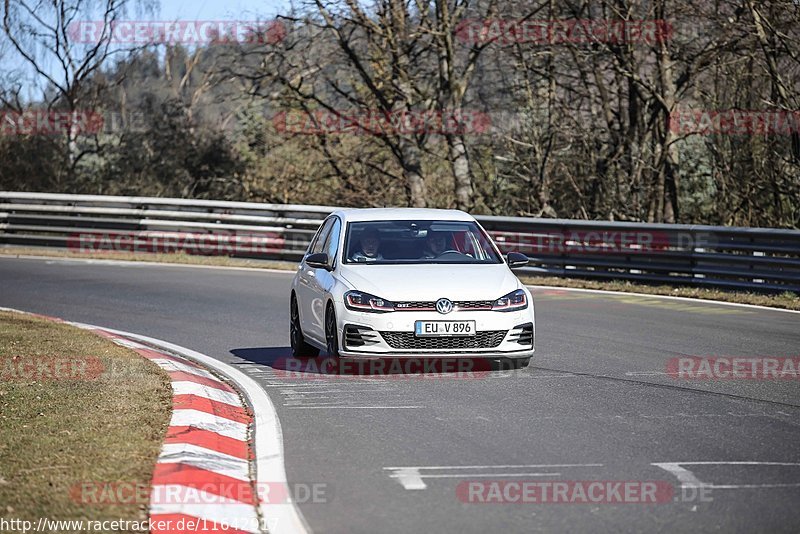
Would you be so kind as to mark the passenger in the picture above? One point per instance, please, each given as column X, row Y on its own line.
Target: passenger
column 370, row 241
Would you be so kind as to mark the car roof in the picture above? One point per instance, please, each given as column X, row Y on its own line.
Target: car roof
column 401, row 214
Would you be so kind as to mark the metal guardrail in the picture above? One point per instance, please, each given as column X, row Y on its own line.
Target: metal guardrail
column 744, row 258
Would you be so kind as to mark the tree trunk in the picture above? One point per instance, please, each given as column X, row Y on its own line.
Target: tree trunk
column 669, row 156
column 412, row 173
column 461, row 172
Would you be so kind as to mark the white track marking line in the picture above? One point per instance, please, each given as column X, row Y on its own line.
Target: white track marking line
column 784, row 464
column 689, row 480
column 299, row 399
column 340, row 396
column 666, row 297
column 480, row 475
column 326, row 381
column 337, row 400
column 285, row 385
column 320, row 401
column 751, row 486
column 410, row 479
column 684, row 476
column 314, row 392
column 207, row 392
column 507, row 466
column 354, row 407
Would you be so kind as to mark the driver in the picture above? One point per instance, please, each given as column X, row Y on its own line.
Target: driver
column 370, row 240
column 435, row 244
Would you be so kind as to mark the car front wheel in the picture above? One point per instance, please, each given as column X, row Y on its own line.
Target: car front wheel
column 331, row 335
column 300, row 349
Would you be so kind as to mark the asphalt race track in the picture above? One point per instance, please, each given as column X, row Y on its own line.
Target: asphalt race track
column 595, row 404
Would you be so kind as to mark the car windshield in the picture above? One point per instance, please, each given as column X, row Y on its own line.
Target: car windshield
column 418, row 242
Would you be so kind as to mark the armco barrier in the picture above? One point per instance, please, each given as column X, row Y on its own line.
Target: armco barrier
column 746, row 258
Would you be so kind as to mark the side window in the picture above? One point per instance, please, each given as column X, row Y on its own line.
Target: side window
column 332, row 242
column 319, row 243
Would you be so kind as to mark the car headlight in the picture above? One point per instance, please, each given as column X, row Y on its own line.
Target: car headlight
column 360, row 301
column 514, row 301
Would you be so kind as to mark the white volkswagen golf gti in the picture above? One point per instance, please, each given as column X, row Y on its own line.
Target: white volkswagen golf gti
column 409, row 282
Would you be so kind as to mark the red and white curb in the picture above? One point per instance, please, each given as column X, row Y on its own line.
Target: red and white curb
column 206, row 450
column 214, row 441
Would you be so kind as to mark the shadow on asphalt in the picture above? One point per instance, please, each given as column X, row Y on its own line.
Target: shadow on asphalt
column 281, row 360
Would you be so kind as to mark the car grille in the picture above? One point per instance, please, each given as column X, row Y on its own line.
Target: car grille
column 459, row 305
column 481, row 340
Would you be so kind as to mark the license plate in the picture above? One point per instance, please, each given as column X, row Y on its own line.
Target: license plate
column 444, row 328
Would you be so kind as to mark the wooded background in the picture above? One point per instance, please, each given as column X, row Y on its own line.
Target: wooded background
column 566, row 129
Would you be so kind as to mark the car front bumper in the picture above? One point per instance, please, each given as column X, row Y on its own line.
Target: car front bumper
column 398, row 327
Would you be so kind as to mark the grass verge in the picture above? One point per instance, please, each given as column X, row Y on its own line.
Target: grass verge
column 180, row 257
column 75, row 409
column 788, row 300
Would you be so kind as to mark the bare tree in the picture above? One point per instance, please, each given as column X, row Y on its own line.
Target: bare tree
column 392, row 59
column 41, row 36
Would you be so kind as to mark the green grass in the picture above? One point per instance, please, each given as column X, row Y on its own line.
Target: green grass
column 57, row 434
column 179, row 257
column 787, row 300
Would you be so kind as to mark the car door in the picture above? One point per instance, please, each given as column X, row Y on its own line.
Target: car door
column 324, row 279
column 308, row 290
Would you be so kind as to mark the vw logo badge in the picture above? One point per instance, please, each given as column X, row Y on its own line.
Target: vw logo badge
column 444, row 306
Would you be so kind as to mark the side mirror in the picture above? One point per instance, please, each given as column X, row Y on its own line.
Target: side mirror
column 318, row 261
column 516, row 259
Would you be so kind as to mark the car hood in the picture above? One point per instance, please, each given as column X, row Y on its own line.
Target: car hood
column 432, row 282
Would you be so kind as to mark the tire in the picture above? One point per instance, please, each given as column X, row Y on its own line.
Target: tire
column 300, row 348
column 519, row 363
column 331, row 336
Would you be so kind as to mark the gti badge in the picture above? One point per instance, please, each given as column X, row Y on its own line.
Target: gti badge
column 444, row 306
